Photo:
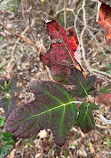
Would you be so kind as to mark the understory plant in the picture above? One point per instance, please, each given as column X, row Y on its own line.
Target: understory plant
column 66, row 100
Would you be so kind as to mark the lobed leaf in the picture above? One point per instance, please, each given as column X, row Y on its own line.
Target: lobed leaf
column 85, row 118
column 83, row 86
column 61, row 54
column 105, row 21
column 53, row 108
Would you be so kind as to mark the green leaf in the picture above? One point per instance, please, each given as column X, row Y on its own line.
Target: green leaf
column 83, row 86
column 6, row 134
column 108, row 71
column 2, row 85
column 5, row 84
column 2, row 120
column 1, row 38
column 108, row 143
column 53, row 108
column 108, row 66
column 7, row 147
column 85, row 118
column 1, row 152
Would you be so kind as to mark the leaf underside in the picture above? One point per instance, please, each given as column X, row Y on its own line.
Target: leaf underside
column 85, row 118
column 105, row 21
column 52, row 109
column 83, row 86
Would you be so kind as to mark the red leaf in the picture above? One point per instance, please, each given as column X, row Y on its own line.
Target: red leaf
column 104, row 99
column 61, row 54
column 105, row 21
column 69, row 39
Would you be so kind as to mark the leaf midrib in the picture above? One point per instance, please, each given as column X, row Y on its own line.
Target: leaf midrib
column 82, row 85
column 45, row 112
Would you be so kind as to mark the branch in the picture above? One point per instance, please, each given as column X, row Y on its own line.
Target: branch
column 65, row 14
column 108, row 122
column 93, row 71
column 19, row 36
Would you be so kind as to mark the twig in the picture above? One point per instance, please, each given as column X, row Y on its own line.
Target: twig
column 103, row 127
column 99, row 117
column 75, row 22
column 64, row 14
column 108, row 122
column 103, row 73
column 96, row 40
column 93, row 71
column 31, row 3
column 22, row 8
column 37, row 144
column 62, row 10
column 96, row 0
column 26, row 41
column 81, row 38
column 21, row 38
column 12, row 56
column 59, row 3
column 77, row 102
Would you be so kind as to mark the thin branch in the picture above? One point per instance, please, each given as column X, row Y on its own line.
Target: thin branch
column 64, row 14
column 62, row 10
column 81, row 37
column 11, row 64
column 103, row 127
column 108, row 122
column 26, row 41
column 93, row 71
column 19, row 36
column 96, row 0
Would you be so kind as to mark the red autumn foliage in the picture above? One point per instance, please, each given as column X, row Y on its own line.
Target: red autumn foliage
column 105, row 21
column 104, row 99
column 70, row 40
column 61, row 54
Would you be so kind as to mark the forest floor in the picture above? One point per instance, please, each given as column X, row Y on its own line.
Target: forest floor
column 20, row 58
